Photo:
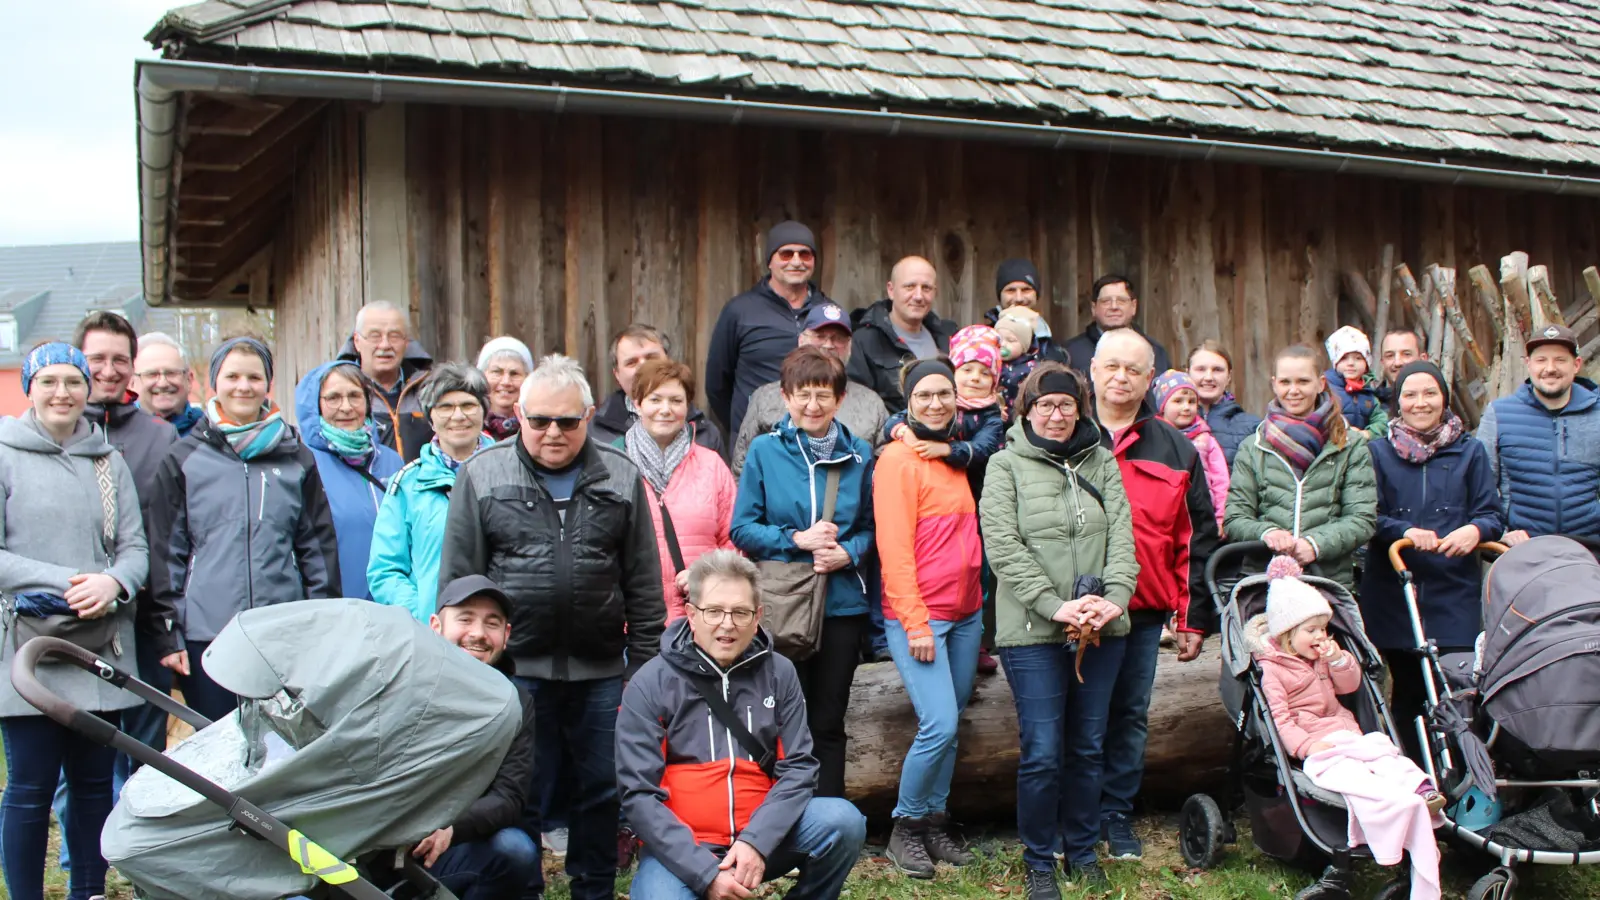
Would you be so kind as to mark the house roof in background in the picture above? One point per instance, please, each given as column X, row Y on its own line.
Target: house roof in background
column 48, row 289
column 1488, row 79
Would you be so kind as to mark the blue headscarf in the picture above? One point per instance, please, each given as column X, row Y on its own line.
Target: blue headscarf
column 54, row 353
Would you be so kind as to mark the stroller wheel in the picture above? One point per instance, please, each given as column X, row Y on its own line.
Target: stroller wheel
column 1399, row 889
column 1497, row 885
column 1202, row 831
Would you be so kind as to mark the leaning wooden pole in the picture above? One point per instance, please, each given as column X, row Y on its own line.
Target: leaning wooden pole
column 1380, row 315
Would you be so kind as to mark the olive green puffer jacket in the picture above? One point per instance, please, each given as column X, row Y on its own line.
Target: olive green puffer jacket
column 1042, row 529
column 1334, row 505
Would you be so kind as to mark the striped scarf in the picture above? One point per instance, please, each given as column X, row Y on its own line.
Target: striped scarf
column 252, row 439
column 1299, row 440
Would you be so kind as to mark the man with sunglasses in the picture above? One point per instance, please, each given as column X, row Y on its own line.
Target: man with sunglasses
column 900, row 327
column 759, row 327
column 560, row 522
column 724, row 799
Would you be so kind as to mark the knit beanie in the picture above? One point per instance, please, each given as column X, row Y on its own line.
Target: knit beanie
column 1290, row 601
column 1170, row 382
column 1348, row 339
column 976, row 343
column 789, row 232
column 241, row 343
column 505, row 345
column 54, row 353
column 1021, row 323
column 1013, row 270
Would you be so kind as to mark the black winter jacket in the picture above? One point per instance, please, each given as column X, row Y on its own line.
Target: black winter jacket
column 612, row 420
column 501, row 805
column 580, row 590
column 1080, row 349
column 756, row 330
column 877, row 352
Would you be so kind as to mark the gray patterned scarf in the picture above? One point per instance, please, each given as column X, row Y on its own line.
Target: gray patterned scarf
column 656, row 464
column 822, row 447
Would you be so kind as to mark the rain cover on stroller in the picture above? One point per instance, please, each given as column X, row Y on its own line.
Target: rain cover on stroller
column 1541, row 653
column 368, row 732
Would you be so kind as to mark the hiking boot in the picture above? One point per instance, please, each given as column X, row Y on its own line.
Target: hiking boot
column 1042, row 885
column 1121, row 842
column 987, row 664
column 1088, row 875
column 907, row 850
column 942, row 844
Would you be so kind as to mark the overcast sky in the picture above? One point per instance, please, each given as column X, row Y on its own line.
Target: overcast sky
column 68, row 164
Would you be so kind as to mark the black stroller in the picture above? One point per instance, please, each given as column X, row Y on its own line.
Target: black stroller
column 1291, row 819
column 1512, row 732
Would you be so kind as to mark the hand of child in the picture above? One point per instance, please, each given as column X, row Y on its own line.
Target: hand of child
column 901, row 432
column 1318, row 747
column 933, row 450
column 1329, row 649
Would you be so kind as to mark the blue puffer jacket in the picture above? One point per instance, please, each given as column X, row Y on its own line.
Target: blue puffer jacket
column 1455, row 487
column 1546, row 463
column 1231, row 425
column 354, row 494
column 408, row 538
column 781, row 492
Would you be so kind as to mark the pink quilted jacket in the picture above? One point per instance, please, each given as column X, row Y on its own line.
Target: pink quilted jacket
column 700, row 498
column 1303, row 694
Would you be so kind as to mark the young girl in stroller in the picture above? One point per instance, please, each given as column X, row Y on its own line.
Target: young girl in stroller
column 1393, row 805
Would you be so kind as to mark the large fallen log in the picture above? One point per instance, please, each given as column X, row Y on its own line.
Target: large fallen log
column 1190, row 737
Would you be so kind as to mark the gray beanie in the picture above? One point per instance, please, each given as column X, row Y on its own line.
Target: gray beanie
column 790, row 232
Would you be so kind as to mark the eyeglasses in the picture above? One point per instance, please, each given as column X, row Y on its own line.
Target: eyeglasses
column 930, row 396
column 1067, row 409
column 393, row 337
column 354, row 400
column 49, row 384
column 714, row 615
column 467, row 408
column 565, row 423
column 801, row 254
column 162, row 374
column 1114, row 301
column 117, row 360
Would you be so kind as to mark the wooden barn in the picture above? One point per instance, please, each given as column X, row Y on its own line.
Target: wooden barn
column 555, row 169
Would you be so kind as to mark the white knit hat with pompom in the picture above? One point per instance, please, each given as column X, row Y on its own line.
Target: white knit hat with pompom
column 1291, row 601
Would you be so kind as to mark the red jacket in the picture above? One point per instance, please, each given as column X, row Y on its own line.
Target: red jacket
column 1174, row 524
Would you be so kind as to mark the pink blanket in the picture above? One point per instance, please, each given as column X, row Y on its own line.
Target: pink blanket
column 1386, row 812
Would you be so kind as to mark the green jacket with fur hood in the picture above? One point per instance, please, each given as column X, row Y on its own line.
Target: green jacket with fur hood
column 1334, row 505
column 1042, row 528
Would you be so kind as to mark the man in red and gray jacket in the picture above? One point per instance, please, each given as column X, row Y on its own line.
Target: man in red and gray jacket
column 723, row 800
column 1174, row 533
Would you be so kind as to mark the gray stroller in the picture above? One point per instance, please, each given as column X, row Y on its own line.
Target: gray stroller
column 359, row 733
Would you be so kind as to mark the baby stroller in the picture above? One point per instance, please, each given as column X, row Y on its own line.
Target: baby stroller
column 358, row 734
column 1291, row 819
column 1524, row 704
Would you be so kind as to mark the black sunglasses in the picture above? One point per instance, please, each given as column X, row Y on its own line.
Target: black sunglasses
column 565, row 423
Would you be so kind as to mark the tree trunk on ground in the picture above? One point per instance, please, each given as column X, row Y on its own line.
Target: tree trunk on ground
column 1190, row 736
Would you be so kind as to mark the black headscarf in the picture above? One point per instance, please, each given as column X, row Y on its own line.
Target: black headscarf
column 919, row 370
column 1084, row 435
column 1412, row 368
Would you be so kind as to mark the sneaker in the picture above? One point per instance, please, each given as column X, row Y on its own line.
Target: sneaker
column 907, row 850
column 1088, row 875
column 942, row 845
column 1042, row 885
column 1435, row 800
column 1121, row 842
column 987, row 665
column 554, row 842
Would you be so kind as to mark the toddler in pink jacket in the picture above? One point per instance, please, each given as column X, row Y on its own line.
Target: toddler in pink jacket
column 1178, row 403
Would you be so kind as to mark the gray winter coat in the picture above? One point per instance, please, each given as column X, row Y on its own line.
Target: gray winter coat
column 228, row 535
column 52, row 528
column 862, row 411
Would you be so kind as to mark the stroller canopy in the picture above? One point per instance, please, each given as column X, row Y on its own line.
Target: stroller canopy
column 1541, row 649
column 364, row 731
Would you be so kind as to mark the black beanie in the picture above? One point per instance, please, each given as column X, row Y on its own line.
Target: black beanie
column 790, row 232
column 1426, row 368
column 1015, row 270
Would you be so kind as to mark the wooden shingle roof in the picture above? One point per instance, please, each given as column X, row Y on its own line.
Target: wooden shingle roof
column 1508, row 79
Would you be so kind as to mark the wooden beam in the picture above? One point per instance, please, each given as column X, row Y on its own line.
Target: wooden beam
column 233, row 121
column 1445, row 290
column 1543, row 296
column 1591, row 277
column 237, row 153
column 1514, row 286
column 243, row 273
column 1380, row 314
column 1419, row 306
column 1355, row 284
column 1489, row 297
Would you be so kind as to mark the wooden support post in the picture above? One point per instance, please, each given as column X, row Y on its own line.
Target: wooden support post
column 1591, row 277
column 1355, row 284
column 1419, row 307
column 1544, row 297
column 1380, row 314
column 1489, row 298
column 1434, row 313
column 1590, row 349
column 1445, row 289
column 1514, row 285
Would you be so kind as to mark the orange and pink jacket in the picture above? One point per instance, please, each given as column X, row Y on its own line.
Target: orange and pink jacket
column 700, row 497
column 928, row 545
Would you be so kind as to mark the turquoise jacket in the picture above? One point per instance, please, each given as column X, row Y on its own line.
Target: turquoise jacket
column 408, row 538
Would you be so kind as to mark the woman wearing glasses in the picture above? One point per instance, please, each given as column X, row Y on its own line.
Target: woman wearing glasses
column 239, row 520
column 778, row 517
column 1059, row 532
column 409, row 534
column 58, row 555
column 334, row 406
column 688, row 485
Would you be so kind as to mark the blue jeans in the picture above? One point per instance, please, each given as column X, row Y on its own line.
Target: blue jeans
column 580, row 719
column 496, row 869
column 1063, row 727
column 1128, row 725
column 939, row 691
column 37, row 750
column 824, row 845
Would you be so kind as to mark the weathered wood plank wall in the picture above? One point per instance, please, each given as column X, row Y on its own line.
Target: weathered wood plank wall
column 561, row 229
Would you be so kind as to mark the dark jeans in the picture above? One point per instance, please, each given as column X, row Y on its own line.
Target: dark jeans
column 1128, row 720
column 580, row 718
column 1063, row 728
column 200, row 693
column 37, row 751
column 145, row 723
column 496, row 869
column 825, row 681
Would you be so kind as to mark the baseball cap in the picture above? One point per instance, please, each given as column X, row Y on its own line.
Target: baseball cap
column 827, row 314
column 466, row 587
column 1552, row 334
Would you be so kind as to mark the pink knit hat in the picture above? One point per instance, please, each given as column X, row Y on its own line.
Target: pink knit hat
column 1170, row 382
column 976, row 343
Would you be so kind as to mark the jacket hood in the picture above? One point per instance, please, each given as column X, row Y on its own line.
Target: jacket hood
column 415, row 359
column 877, row 316
column 24, row 433
column 1260, row 644
column 680, row 651
column 1584, row 395
column 790, row 432
column 308, row 405
column 1017, row 442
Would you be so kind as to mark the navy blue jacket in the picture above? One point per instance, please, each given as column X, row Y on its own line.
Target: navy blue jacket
column 1546, row 463
column 756, row 330
column 1080, row 349
column 1358, row 407
column 1453, row 488
column 1231, row 425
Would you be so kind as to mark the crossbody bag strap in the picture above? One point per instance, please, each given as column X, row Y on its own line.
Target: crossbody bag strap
column 671, row 534
column 761, row 753
column 830, row 502
column 108, row 504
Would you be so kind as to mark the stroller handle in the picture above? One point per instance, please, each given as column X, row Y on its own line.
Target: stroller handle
column 1228, row 551
column 25, row 679
column 1399, row 563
